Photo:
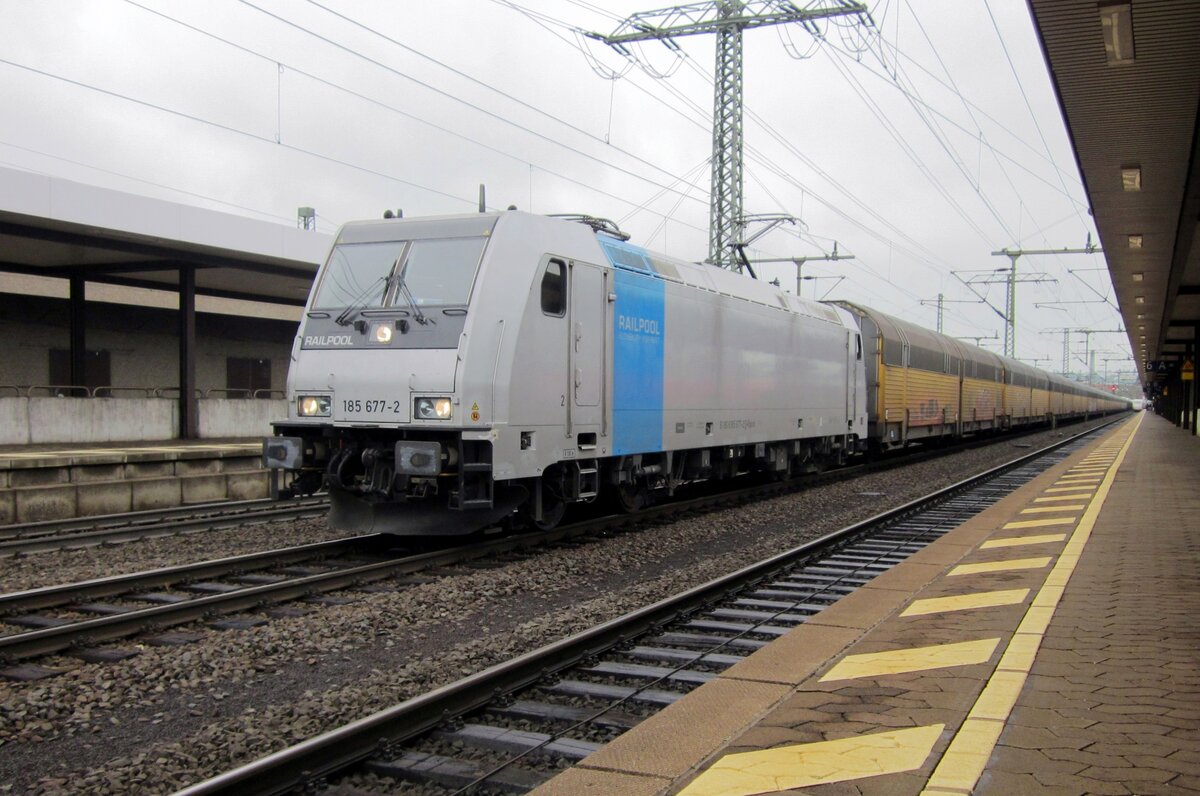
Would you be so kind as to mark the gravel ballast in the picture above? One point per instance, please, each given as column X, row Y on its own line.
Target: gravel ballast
column 171, row 716
column 36, row 570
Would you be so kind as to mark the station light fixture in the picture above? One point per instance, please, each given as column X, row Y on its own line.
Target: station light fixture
column 1138, row 277
column 1135, row 242
column 1139, row 299
column 1131, row 178
column 1116, row 24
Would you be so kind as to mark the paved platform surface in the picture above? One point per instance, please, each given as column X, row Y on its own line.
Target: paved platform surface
column 17, row 456
column 1049, row 645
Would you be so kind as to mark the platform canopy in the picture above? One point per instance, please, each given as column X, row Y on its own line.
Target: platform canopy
column 51, row 227
column 59, row 228
column 1127, row 75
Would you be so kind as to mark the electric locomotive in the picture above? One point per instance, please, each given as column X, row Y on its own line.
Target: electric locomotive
column 453, row 372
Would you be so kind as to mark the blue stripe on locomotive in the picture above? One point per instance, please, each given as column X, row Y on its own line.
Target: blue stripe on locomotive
column 638, row 333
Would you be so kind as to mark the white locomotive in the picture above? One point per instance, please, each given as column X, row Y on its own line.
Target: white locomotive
column 451, row 372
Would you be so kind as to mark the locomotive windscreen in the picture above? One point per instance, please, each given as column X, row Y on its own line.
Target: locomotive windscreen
column 435, row 271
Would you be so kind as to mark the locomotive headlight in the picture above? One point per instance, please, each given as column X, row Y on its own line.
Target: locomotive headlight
column 313, row 405
column 381, row 333
column 432, row 409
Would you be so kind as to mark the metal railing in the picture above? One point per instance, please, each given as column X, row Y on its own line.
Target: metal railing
column 109, row 391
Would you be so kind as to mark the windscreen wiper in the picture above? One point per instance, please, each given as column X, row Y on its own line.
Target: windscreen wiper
column 418, row 316
column 357, row 304
column 396, row 284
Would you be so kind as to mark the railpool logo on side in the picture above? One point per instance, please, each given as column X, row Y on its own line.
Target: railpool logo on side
column 632, row 323
column 327, row 339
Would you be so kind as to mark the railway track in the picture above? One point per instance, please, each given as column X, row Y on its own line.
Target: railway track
column 81, row 618
column 41, row 537
column 511, row 727
column 48, row 536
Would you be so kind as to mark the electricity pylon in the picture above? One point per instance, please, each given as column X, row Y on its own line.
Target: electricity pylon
column 1087, row 347
column 940, row 304
column 800, row 261
column 727, row 19
column 1010, row 327
column 1009, row 315
column 1066, row 345
column 978, row 338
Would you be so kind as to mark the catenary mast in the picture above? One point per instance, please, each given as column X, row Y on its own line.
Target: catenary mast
column 726, row 19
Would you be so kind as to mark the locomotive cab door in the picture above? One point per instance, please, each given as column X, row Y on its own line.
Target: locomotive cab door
column 587, row 353
column 854, row 362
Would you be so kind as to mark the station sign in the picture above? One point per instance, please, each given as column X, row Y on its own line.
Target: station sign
column 1188, row 371
column 1159, row 367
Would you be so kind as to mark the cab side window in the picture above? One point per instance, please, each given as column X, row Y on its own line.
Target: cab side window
column 554, row 288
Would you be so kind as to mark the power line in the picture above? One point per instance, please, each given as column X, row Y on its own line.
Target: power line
column 163, row 186
column 226, row 128
column 1025, row 96
column 726, row 21
column 406, row 114
column 449, row 95
column 755, row 154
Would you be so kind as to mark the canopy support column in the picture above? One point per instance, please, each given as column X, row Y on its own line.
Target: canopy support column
column 189, row 414
column 78, row 330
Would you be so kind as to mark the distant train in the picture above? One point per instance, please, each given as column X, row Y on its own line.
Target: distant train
column 454, row 372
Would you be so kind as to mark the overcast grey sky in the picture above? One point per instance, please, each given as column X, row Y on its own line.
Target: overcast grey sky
column 920, row 145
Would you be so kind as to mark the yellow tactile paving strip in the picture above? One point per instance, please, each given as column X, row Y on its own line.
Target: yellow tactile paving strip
column 1022, row 541
column 973, row 669
column 965, row 602
column 773, row 770
column 912, row 659
column 1008, row 565
column 1044, row 523
column 967, row 755
column 1050, row 509
column 963, row 763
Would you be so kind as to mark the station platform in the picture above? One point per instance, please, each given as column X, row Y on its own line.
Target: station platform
column 1048, row 645
column 54, row 482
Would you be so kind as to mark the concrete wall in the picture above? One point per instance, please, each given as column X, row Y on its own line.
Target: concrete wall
column 41, row 420
column 234, row 417
column 142, row 343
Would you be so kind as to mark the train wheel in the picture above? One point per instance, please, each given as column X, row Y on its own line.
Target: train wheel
column 553, row 510
column 631, row 498
column 552, row 514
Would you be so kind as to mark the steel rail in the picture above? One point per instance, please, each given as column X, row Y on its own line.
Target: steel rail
column 52, row 596
column 41, row 537
column 318, row 757
column 45, row 641
column 97, row 521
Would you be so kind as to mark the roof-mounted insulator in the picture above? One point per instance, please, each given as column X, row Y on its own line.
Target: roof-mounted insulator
column 597, row 224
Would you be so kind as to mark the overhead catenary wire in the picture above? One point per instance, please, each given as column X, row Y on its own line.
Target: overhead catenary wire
column 702, row 120
column 752, row 152
column 415, row 117
column 328, row 223
column 775, row 179
column 495, row 116
column 227, row 128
